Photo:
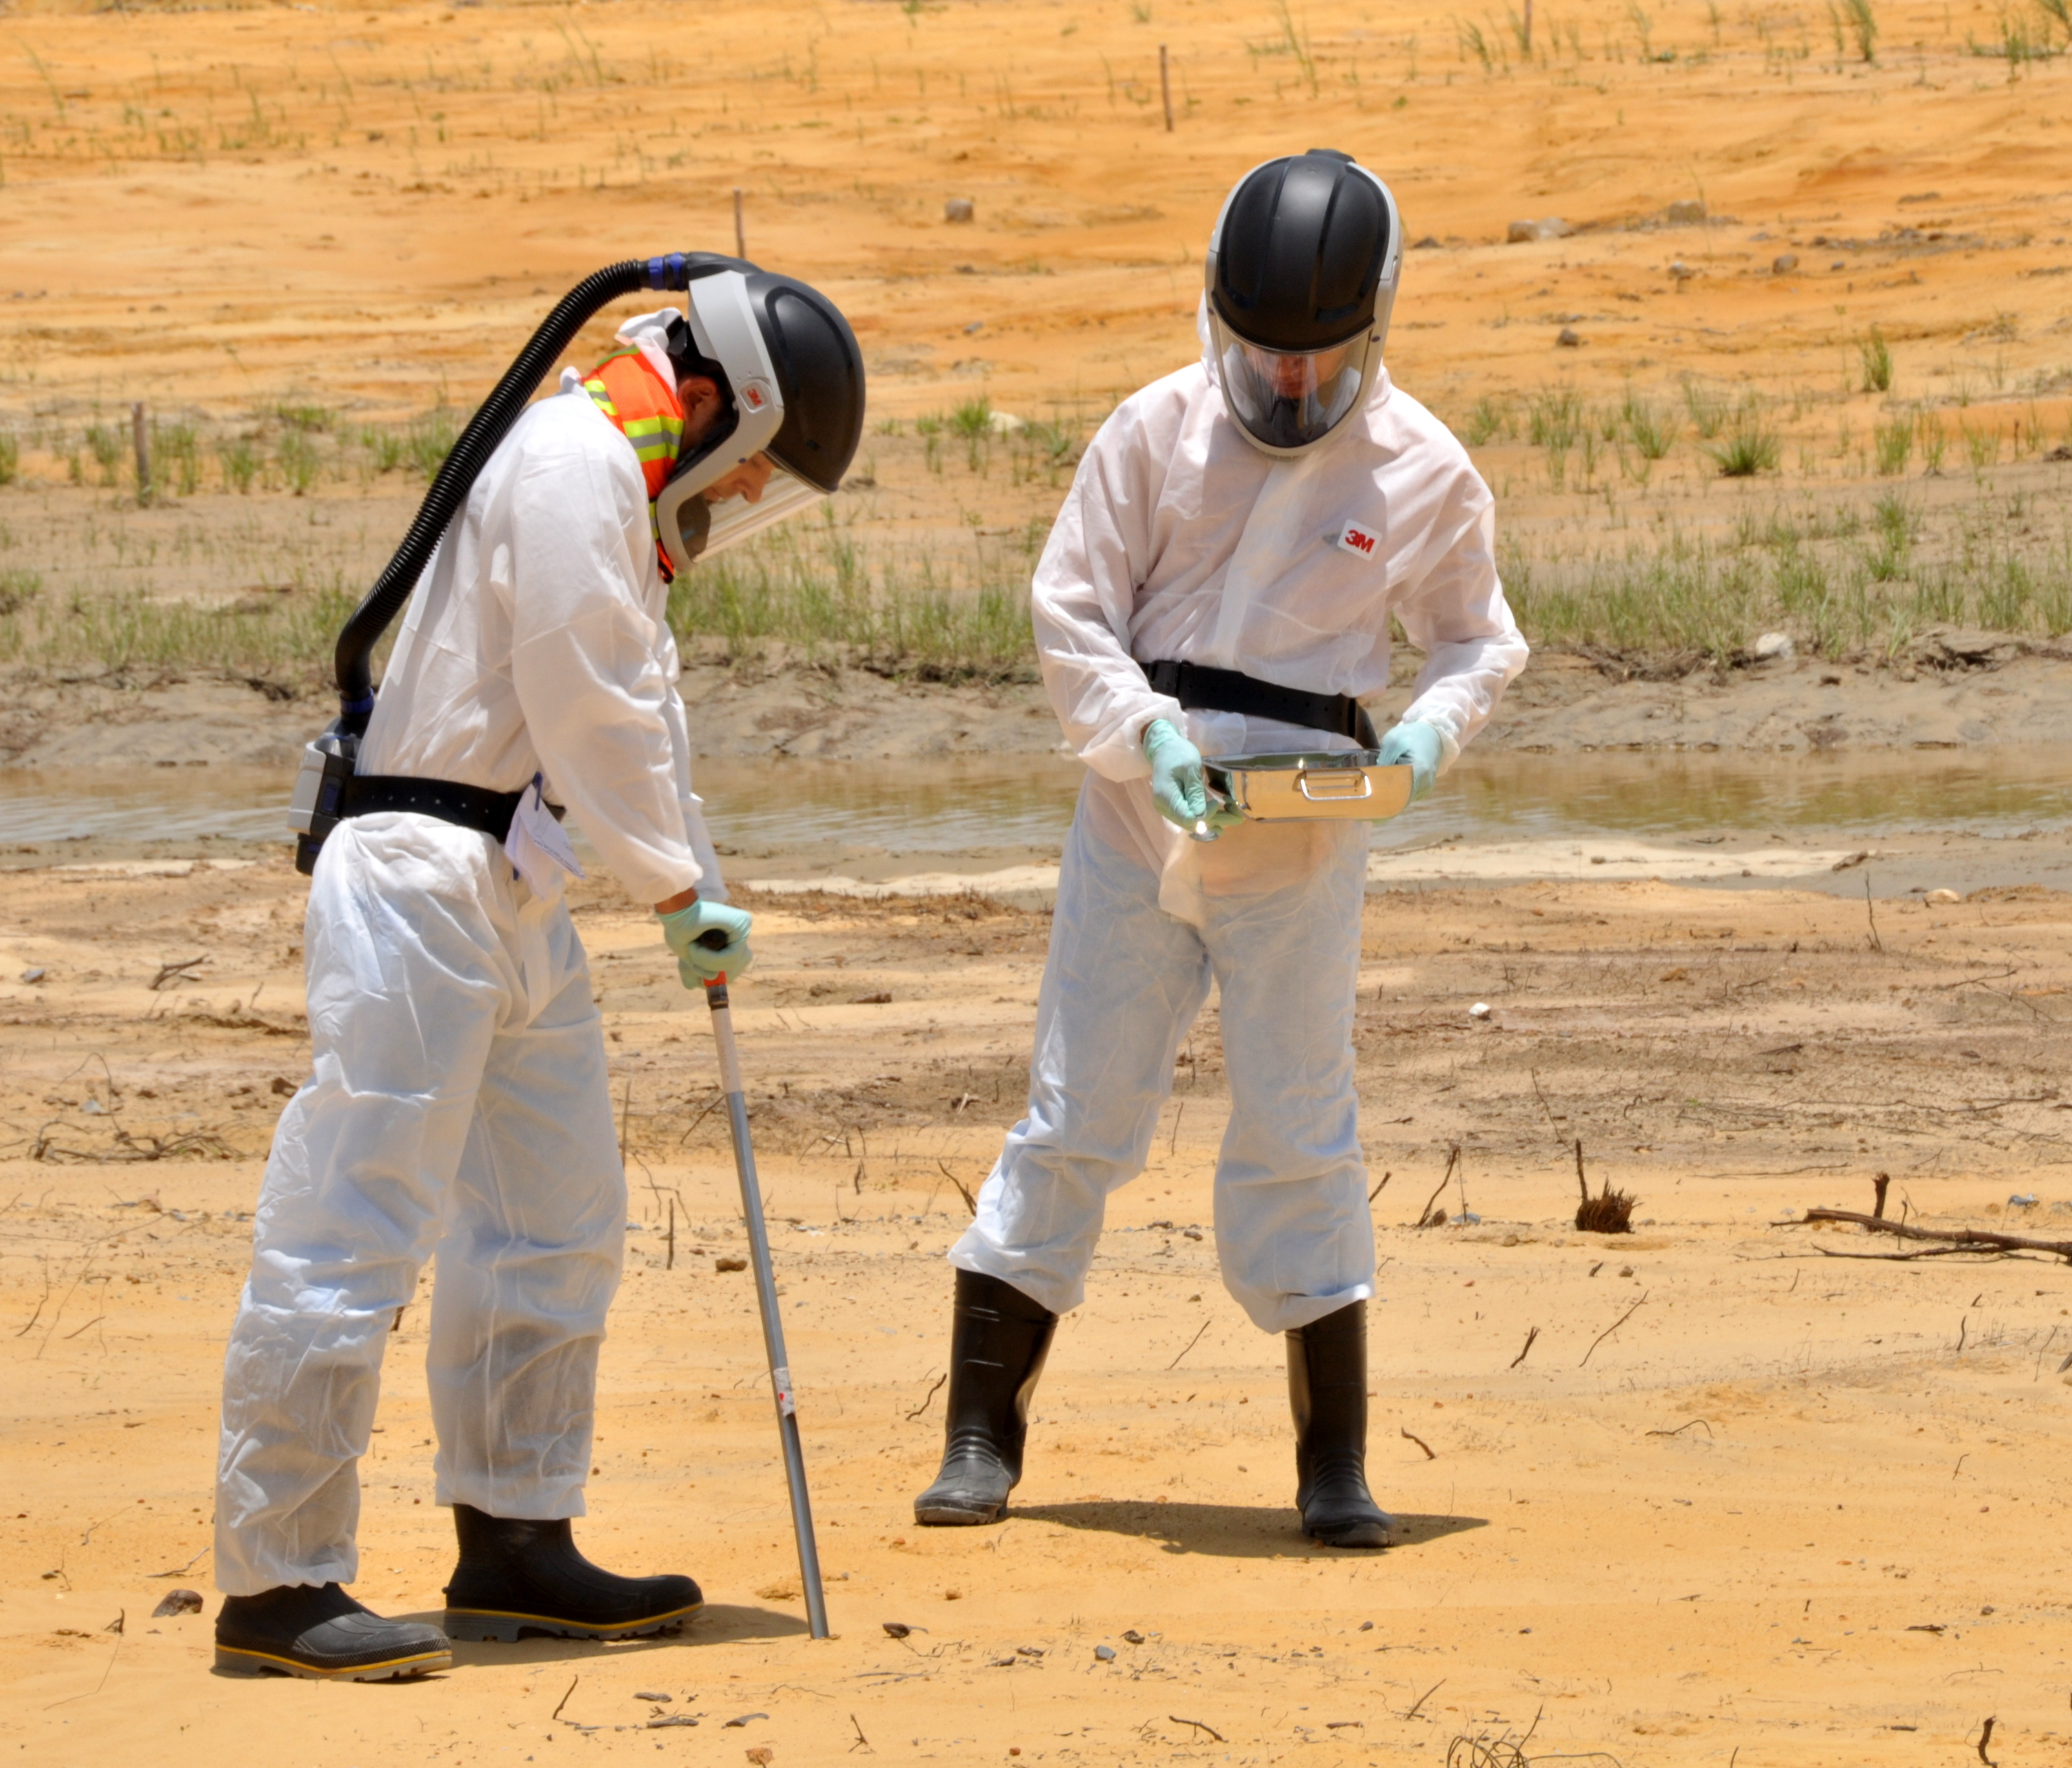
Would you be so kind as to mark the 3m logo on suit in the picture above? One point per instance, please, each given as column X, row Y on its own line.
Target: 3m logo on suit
column 1362, row 542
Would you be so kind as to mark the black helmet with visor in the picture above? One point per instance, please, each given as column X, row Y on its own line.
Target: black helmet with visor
column 791, row 378
column 1301, row 274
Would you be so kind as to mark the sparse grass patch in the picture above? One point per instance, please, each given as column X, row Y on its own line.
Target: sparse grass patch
column 1874, row 355
column 1485, row 423
column 1750, row 446
column 1708, row 409
column 1653, row 434
column 813, row 586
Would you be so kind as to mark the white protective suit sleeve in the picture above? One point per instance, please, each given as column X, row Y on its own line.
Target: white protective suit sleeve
column 712, row 886
column 1084, row 601
column 588, row 664
column 1455, row 613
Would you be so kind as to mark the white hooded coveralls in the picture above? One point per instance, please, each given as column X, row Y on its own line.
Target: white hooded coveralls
column 459, row 1101
column 1180, row 539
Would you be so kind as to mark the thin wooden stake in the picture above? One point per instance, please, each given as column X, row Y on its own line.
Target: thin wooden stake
column 740, row 232
column 1166, row 86
column 671, row 1264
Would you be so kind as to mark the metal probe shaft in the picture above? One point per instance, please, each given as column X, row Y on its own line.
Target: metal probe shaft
column 765, row 1297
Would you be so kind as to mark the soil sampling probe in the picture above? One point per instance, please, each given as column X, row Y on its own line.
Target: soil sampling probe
column 766, row 1295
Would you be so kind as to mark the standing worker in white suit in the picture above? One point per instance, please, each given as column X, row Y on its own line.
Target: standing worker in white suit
column 1221, row 581
column 459, row 1100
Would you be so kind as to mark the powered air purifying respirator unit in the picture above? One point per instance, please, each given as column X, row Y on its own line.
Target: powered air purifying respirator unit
column 791, row 378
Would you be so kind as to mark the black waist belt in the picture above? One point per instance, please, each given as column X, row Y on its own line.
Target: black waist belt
column 1200, row 689
column 470, row 806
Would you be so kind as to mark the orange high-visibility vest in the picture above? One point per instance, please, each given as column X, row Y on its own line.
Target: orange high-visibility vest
column 647, row 413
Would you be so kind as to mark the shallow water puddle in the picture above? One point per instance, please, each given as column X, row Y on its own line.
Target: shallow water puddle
column 969, row 805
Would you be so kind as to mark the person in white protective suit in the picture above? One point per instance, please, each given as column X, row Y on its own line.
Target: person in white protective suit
column 1221, row 581
column 458, row 1104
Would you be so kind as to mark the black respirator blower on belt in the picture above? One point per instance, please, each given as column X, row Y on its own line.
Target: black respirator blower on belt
column 793, row 377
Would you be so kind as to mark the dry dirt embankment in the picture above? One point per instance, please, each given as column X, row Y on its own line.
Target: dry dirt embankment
column 1953, row 690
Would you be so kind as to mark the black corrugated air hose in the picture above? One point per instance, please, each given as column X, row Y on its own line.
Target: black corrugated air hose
column 470, row 454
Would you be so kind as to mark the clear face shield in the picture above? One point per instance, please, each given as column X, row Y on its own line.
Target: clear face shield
column 697, row 525
column 1288, row 399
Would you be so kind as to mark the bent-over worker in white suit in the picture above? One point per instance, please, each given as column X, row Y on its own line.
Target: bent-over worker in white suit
column 459, row 1102
column 1221, row 581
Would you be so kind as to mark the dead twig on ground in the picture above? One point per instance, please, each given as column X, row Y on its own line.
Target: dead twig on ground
column 1189, row 1346
column 1679, row 1430
column 971, row 1202
column 861, row 1742
column 1870, row 911
column 564, row 1700
column 1199, row 1725
column 1529, row 1337
column 929, row 1395
column 1613, row 1327
column 1428, row 1216
column 1985, row 1737
column 177, row 973
column 1424, row 1697
column 1378, row 1189
column 1430, row 1454
column 1952, row 1237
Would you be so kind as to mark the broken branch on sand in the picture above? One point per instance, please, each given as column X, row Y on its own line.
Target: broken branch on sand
column 1428, row 1216
column 1956, row 1239
column 1613, row 1327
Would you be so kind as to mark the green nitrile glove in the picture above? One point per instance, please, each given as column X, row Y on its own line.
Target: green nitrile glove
column 1177, row 786
column 1419, row 745
column 697, row 964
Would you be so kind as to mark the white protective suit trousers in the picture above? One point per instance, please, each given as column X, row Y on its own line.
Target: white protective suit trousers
column 459, row 1103
column 1122, row 984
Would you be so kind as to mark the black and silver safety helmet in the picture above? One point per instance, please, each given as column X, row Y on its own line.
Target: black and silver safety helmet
column 1301, row 274
column 790, row 375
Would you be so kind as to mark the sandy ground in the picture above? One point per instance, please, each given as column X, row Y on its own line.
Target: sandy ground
column 1738, row 1498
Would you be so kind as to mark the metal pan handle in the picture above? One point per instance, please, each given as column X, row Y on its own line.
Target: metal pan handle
column 1340, row 791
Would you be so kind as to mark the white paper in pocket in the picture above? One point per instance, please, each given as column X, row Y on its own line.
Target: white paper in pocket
column 537, row 846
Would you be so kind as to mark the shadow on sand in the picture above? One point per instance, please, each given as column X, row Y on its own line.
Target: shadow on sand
column 1227, row 1531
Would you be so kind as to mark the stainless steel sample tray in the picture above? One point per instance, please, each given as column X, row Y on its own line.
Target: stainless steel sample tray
column 1350, row 785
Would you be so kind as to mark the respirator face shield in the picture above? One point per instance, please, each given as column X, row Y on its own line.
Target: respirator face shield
column 1288, row 399
column 790, row 373
column 694, row 527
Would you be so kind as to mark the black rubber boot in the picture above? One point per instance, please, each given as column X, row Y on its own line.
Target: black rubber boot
column 316, row 1630
column 998, row 1341
column 1327, row 1392
column 520, row 1577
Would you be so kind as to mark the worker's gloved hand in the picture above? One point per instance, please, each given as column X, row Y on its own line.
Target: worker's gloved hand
column 697, row 964
column 1177, row 786
column 1420, row 745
